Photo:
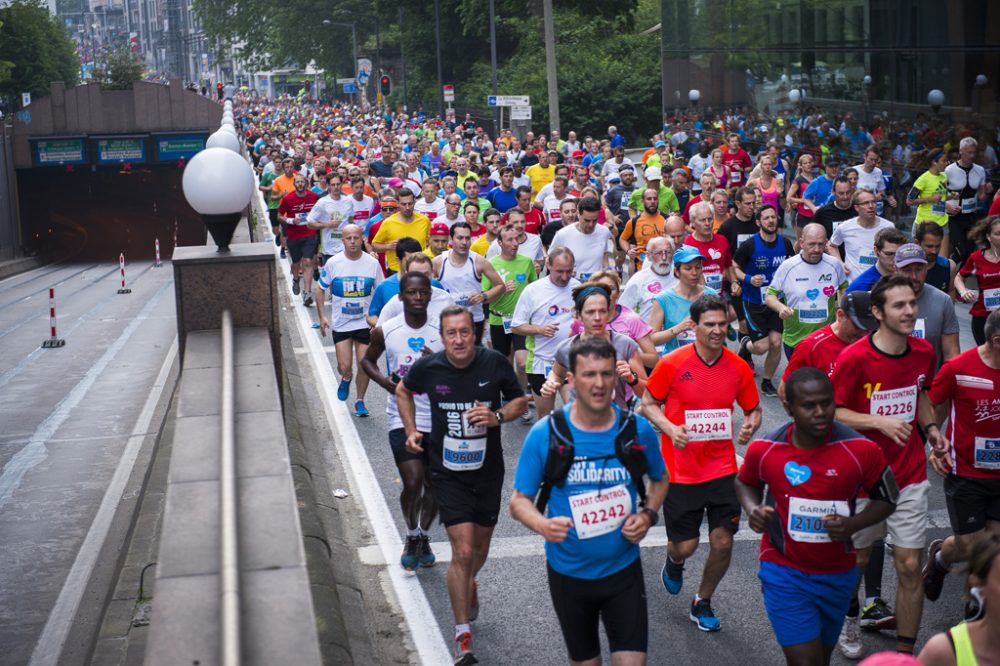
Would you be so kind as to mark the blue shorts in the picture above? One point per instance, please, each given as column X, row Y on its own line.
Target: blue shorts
column 805, row 606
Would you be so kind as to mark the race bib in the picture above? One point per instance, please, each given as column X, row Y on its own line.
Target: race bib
column 600, row 511
column 813, row 314
column 463, row 454
column 805, row 518
column 898, row 403
column 742, row 237
column 920, row 329
column 704, row 424
column 300, row 219
column 991, row 299
column 506, row 323
column 834, row 225
column 969, row 205
column 938, row 208
column 583, row 277
column 463, row 300
column 714, row 280
column 352, row 310
column 987, row 453
column 867, row 260
column 685, row 337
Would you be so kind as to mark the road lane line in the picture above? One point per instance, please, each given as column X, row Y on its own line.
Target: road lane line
column 50, row 644
column 425, row 633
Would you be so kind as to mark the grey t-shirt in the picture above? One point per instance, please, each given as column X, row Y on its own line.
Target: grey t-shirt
column 625, row 348
column 935, row 317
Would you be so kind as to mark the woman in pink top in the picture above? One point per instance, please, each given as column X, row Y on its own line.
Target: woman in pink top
column 719, row 170
column 803, row 176
column 767, row 184
column 622, row 320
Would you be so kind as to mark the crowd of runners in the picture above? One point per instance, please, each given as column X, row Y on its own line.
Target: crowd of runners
column 636, row 312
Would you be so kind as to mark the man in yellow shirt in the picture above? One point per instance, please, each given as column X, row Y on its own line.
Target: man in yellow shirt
column 492, row 220
column 543, row 173
column 404, row 223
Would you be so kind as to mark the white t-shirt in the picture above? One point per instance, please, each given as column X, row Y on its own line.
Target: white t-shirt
column 432, row 209
column 546, row 191
column 643, row 288
column 440, row 299
column 351, row 283
column 521, row 180
column 550, row 208
column 870, row 181
column 542, row 302
column 859, row 243
column 362, row 209
column 588, row 249
column 328, row 209
column 403, row 346
column 531, row 247
column 611, row 166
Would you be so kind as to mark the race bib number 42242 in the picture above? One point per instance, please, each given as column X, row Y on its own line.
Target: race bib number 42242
column 600, row 511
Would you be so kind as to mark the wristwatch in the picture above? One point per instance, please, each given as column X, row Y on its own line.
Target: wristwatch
column 499, row 416
column 654, row 516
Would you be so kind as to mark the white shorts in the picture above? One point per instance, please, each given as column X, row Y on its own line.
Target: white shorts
column 907, row 524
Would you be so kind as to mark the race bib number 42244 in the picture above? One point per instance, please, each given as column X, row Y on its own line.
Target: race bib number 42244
column 705, row 424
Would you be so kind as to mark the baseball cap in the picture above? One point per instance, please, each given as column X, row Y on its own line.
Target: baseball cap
column 614, row 178
column 439, row 229
column 659, row 144
column 652, row 173
column 579, row 153
column 857, row 305
column 395, row 182
column 910, row 253
column 687, row 253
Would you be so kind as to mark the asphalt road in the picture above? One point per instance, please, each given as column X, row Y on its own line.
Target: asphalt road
column 74, row 436
column 516, row 624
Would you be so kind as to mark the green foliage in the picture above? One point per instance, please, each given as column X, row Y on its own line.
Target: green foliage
column 35, row 50
column 118, row 69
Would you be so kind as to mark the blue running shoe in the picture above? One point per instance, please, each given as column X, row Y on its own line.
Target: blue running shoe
column 702, row 615
column 410, row 559
column 344, row 389
column 427, row 558
column 360, row 409
column 672, row 576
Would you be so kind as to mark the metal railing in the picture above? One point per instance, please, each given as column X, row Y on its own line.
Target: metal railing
column 230, row 565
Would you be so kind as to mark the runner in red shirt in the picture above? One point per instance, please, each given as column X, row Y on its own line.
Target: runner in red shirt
column 821, row 348
column 534, row 219
column 711, row 245
column 880, row 385
column 696, row 386
column 985, row 265
column 814, row 470
column 302, row 241
column 971, row 464
column 737, row 161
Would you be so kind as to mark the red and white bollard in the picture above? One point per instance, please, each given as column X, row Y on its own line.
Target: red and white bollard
column 53, row 341
column 121, row 265
column 157, row 264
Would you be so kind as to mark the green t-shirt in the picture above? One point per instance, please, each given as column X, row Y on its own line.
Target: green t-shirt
column 521, row 270
column 668, row 201
column 927, row 185
column 267, row 180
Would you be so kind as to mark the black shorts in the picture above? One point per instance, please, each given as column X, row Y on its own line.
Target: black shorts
column 397, row 442
column 475, row 500
column 535, row 382
column 738, row 306
column 971, row 502
column 272, row 215
column 761, row 320
column 479, row 326
column 362, row 335
column 302, row 248
column 503, row 342
column 618, row 600
column 802, row 220
column 687, row 504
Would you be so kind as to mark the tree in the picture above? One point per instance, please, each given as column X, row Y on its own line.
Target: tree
column 38, row 48
column 120, row 69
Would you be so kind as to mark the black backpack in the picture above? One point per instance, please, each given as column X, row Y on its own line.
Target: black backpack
column 561, row 455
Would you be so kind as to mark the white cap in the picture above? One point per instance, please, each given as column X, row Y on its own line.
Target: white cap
column 652, row 173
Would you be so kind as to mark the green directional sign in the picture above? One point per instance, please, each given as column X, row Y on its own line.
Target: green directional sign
column 53, row 152
column 119, row 150
column 170, row 148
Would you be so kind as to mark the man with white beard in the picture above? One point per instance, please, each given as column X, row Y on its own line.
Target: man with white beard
column 655, row 277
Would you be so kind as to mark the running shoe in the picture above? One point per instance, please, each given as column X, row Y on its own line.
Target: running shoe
column 463, row 650
column 767, row 388
column 672, row 576
column 427, row 558
column 307, row 299
column 877, row 616
column 296, row 288
column 344, row 389
column 410, row 559
column 474, row 602
column 933, row 574
column 284, row 255
column 975, row 608
column 850, row 639
column 702, row 615
column 744, row 352
column 733, row 333
column 360, row 409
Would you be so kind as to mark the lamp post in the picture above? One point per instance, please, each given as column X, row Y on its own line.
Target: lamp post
column 936, row 99
column 693, row 96
column 354, row 47
column 218, row 184
column 866, row 88
column 223, row 139
column 977, row 92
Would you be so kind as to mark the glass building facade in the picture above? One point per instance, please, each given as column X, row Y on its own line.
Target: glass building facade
column 885, row 55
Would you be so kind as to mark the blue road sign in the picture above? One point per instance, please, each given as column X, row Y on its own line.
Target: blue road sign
column 350, row 88
column 491, row 100
column 362, row 77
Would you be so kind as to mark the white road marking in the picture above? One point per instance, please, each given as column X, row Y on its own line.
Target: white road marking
column 50, row 644
column 423, row 628
column 534, row 546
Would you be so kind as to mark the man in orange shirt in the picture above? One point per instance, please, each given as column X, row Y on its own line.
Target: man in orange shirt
column 642, row 228
column 283, row 184
column 697, row 386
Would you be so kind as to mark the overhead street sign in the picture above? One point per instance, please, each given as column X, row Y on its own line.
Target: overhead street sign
column 344, row 82
column 520, row 113
column 350, row 87
column 508, row 100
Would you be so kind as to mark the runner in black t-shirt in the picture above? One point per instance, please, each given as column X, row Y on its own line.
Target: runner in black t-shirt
column 465, row 384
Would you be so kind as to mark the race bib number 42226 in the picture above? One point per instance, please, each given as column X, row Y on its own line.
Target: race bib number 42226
column 900, row 403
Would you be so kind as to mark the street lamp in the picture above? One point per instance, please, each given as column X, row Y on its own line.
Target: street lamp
column 866, row 84
column 223, row 139
column 935, row 98
column 795, row 95
column 693, row 96
column 218, row 184
column 354, row 47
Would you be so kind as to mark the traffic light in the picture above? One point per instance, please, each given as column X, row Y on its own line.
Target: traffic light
column 219, row 90
column 309, row 86
column 385, row 84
